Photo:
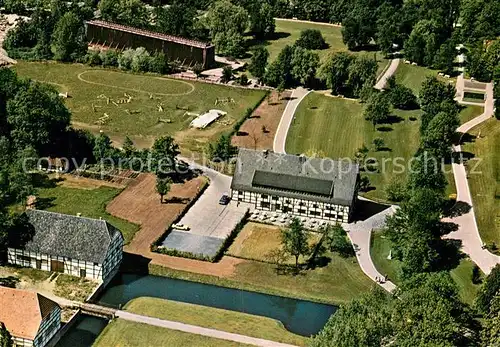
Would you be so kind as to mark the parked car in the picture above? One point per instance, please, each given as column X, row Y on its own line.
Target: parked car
column 180, row 227
column 224, row 200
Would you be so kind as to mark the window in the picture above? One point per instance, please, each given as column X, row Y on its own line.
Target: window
column 288, row 201
column 275, row 198
column 314, row 213
column 301, row 203
column 315, row 205
column 23, row 257
column 263, row 196
column 265, row 204
column 302, row 210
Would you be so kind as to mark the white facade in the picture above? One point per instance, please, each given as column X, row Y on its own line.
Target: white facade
column 74, row 267
column 293, row 206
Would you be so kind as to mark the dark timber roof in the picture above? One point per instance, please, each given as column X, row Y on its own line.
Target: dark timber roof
column 148, row 33
column 70, row 236
column 314, row 179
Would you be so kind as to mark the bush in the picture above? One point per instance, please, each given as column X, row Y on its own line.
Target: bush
column 489, row 289
column 311, row 39
column 396, row 190
column 140, row 60
column 94, row 58
column 379, row 143
column 125, row 59
column 227, row 73
column 476, row 275
column 243, row 80
column 159, row 64
column 109, row 58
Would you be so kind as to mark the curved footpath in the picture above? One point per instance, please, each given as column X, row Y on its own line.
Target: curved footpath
column 391, row 70
column 468, row 232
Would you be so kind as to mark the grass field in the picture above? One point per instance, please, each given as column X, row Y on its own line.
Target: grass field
column 412, row 76
column 74, row 200
column 130, row 334
column 335, row 128
column 142, row 119
column 462, row 274
column 484, row 181
column 209, row 317
column 287, row 32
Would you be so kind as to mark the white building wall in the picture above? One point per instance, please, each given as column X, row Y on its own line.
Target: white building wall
column 297, row 207
column 20, row 342
column 43, row 262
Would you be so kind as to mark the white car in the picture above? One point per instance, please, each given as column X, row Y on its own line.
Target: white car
column 180, row 227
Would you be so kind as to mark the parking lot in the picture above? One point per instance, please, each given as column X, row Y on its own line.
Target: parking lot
column 283, row 220
column 208, row 221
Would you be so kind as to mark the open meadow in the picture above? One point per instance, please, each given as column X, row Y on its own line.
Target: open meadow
column 142, row 106
column 484, row 180
column 288, row 31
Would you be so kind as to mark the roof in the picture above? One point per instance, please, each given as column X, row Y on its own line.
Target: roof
column 148, row 33
column 70, row 236
column 314, row 179
column 22, row 311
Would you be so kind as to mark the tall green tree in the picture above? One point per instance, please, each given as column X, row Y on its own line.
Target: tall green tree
column 222, row 150
column 227, row 22
column 425, row 171
column 490, row 288
column 378, row 108
column 164, row 153
column 262, row 23
column 438, row 136
column 163, row 186
column 69, row 40
column 490, row 334
column 176, row 19
column 335, row 71
column 362, row 72
column 5, row 337
column 295, row 240
column 336, row 240
column 304, row 65
column 258, row 62
column 279, row 72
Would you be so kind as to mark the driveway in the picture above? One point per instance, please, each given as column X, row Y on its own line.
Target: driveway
column 210, row 223
column 391, row 70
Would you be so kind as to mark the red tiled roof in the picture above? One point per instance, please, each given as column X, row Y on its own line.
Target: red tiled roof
column 22, row 311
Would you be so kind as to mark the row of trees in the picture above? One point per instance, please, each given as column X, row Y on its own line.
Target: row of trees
column 57, row 33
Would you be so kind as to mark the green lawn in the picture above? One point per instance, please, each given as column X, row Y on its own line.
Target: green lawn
column 462, row 274
column 412, row 76
column 209, row 317
column 89, row 202
column 96, row 92
column 335, row 128
column 484, row 179
column 337, row 281
column 130, row 334
column 470, row 112
column 287, row 32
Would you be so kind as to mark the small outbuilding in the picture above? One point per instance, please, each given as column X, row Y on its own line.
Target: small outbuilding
column 31, row 318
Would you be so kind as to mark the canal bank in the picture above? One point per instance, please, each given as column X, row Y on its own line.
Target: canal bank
column 301, row 317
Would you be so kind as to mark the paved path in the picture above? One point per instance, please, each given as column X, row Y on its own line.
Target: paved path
column 391, row 70
column 360, row 235
column 309, row 22
column 286, row 119
column 193, row 329
column 468, row 231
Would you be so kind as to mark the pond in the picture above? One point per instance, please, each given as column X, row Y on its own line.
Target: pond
column 298, row 316
column 84, row 332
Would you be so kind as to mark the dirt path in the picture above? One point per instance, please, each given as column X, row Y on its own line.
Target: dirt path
column 267, row 115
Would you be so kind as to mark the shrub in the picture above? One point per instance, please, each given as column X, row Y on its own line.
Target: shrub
column 243, row 80
column 379, row 143
column 109, row 58
column 403, row 98
column 490, row 288
column 227, row 73
column 140, row 60
column 476, row 275
column 159, row 64
column 94, row 58
column 311, row 39
column 125, row 59
column 396, row 190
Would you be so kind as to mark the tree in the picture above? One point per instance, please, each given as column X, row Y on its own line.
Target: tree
column 227, row 23
column 227, row 73
column 102, row 147
column 5, row 337
column 490, row 335
column 402, row 97
column 359, row 24
column 304, row 65
column 396, row 190
column 336, row 240
column 279, row 71
column 365, row 321
column 262, row 23
column 445, row 57
column 311, row 39
column 436, row 96
column 295, row 240
column 69, row 40
column 158, row 63
column 335, row 71
column 37, row 116
column 423, row 43
column 127, row 12
column 258, row 62
column 477, row 20
column 438, row 136
column 425, row 171
column 163, row 186
column 362, row 71
column 377, row 109
column 128, row 147
column 176, row 19
column 164, row 153
column 379, row 143
column 490, row 288
column 223, row 150
column 109, row 58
